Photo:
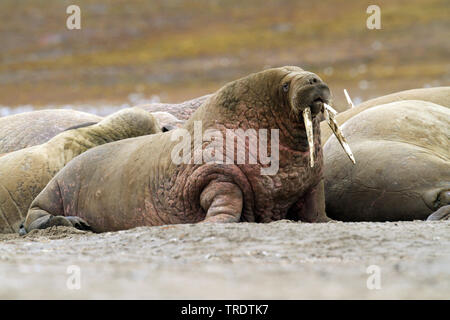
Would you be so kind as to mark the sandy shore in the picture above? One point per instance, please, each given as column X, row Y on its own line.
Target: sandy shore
column 281, row 260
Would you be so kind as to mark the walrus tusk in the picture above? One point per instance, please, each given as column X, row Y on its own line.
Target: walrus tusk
column 329, row 116
column 349, row 100
column 309, row 133
column 330, row 109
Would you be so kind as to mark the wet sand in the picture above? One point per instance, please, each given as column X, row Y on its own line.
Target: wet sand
column 281, row 260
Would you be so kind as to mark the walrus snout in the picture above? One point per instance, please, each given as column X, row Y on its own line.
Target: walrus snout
column 320, row 95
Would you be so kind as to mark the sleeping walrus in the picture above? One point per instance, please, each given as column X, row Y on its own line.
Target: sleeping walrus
column 403, row 164
column 437, row 95
column 24, row 173
column 32, row 128
column 181, row 111
column 160, row 179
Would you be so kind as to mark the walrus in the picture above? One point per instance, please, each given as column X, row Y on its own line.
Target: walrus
column 167, row 120
column 181, row 111
column 403, row 164
column 156, row 180
column 437, row 95
column 36, row 127
column 24, row 173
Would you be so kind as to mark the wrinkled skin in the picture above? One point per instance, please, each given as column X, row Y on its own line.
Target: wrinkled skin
column 33, row 128
column 24, row 173
column 134, row 183
column 438, row 95
column 181, row 111
column 402, row 169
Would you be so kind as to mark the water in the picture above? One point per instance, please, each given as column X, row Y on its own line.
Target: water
column 95, row 108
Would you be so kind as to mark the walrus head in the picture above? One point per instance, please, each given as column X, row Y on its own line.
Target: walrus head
column 308, row 97
column 128, row 123
column 304, row 90
column 289, row 99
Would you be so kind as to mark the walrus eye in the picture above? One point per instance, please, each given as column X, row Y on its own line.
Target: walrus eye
column 286, row 87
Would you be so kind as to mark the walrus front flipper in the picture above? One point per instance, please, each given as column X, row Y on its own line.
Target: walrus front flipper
column 311, row 206
column 442, row 214
column 222, row 202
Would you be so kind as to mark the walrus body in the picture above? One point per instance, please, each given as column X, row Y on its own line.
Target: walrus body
column 133, row 183
column 33, row 128
column 402, row 169
column 438, row 95
column 24, row 173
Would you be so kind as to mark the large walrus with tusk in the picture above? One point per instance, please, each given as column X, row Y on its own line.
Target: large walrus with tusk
column 24, row 173
column 32, row 128
column 403, row 164
column 191, row 175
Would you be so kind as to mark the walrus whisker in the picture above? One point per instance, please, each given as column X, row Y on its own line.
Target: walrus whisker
column 329, row 117
column 307, row 118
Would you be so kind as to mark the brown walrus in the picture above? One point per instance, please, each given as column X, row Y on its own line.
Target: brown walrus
column 32, row 128
column 402, row 169
column 24, row 173
column 142, row 182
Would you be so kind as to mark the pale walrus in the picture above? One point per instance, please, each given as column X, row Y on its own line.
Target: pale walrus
column 167, row 120
column 142, row 182
column 403, row 164
column 24, row 173
column 181, row 111
column 438, row 95
column 36, row 127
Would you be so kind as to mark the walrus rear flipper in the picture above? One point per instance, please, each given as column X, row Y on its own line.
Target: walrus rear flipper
column 47, row 210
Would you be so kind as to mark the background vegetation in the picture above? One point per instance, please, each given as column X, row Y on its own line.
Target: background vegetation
column 179, row 49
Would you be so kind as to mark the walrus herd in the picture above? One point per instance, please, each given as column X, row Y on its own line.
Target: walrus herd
column 176, row 163
column 24, row 173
